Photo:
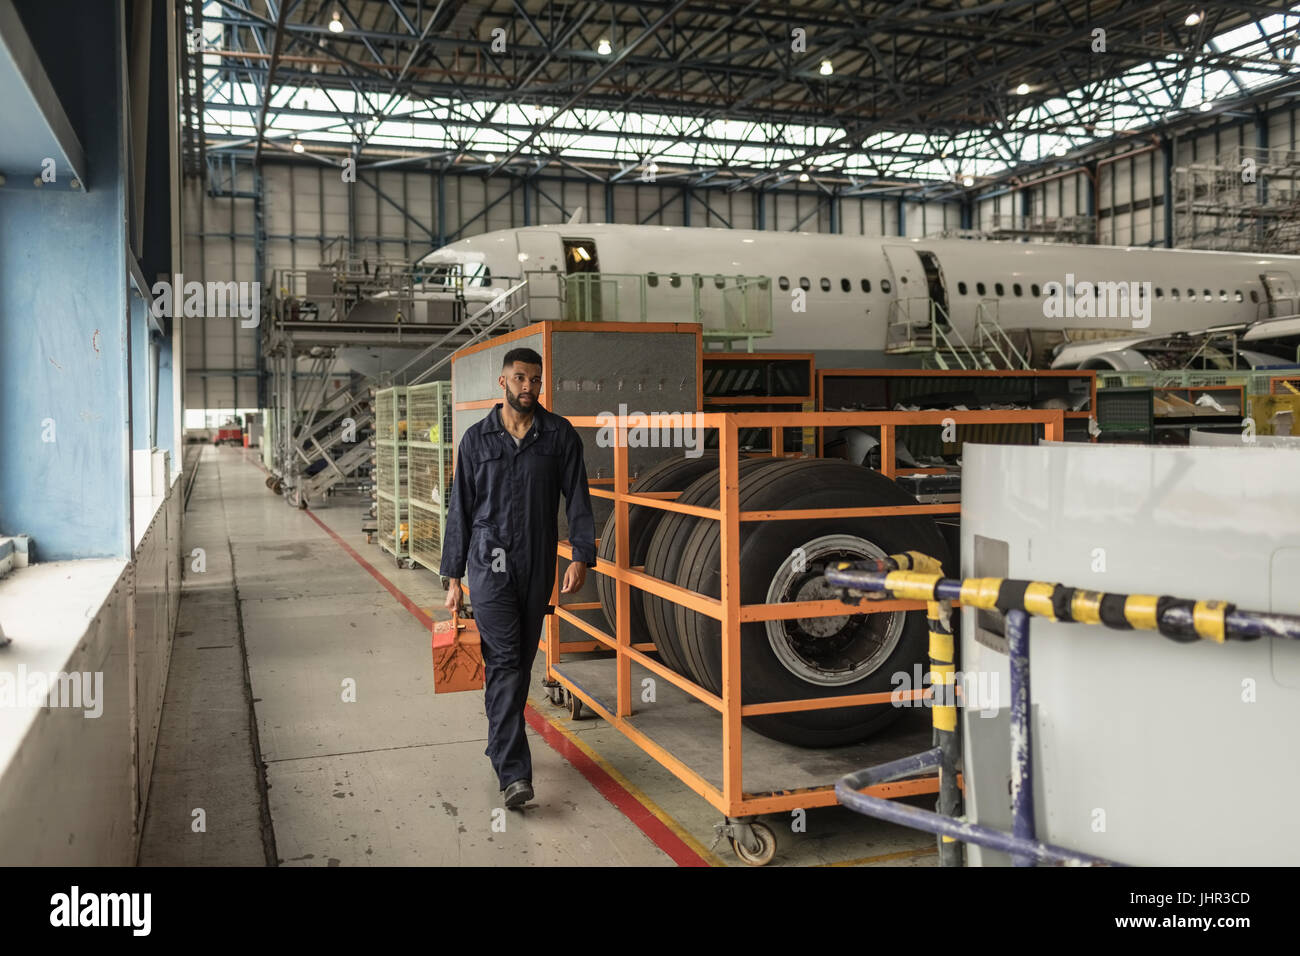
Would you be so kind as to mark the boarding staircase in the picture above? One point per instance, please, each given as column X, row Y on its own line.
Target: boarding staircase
column 319, row 434
column 920, row 325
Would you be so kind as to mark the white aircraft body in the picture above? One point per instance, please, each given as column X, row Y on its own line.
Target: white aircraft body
column 847, row 296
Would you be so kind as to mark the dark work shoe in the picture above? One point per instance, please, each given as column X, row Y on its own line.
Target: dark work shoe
column 518, row 793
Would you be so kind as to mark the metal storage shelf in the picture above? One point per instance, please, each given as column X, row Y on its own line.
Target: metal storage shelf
column 391, row 471
column 606, row 685
column 762, row 382
column 883, row 388
column 429, row 460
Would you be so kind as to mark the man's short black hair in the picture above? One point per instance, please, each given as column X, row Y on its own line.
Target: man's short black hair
column 527, row 356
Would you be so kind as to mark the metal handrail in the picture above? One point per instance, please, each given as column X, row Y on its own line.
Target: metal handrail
column 987, row 328
column 1181, row 620
column 755, row 317
column 940, row 336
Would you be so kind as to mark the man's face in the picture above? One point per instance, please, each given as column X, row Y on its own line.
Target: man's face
column 522, row 383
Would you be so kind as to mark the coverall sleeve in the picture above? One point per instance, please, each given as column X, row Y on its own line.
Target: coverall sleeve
column 577, row 496
column 460, row 516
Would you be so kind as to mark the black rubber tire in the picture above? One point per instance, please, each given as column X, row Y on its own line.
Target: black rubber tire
column 665, row 549
column 671, row 474
column 808, row 483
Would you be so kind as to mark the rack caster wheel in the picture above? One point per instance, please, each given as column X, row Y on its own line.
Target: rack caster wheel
column 753, row 843
column 555, row 693
column 576, row 709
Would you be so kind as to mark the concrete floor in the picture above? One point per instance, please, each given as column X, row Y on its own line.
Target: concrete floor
column 396, row 775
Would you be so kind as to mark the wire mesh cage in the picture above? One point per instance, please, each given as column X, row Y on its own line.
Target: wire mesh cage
column 391, row 471
column 429, row 454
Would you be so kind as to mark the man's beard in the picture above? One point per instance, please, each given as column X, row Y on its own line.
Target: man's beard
column 517, row 405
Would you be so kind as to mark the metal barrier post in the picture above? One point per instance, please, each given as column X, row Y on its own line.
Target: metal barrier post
column 1022, row 765
column 622, row 551
column 944, row 715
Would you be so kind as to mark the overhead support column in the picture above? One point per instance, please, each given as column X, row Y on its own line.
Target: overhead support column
column 1090, row 198
column 442, row 208
column 1167, row 184
column 609, row 201
column 1261, row 180
column 901, row 208
column 760, row 210
column 686, row 205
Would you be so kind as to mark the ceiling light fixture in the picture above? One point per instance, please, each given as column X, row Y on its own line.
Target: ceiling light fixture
column 826, row 68
column 1192, row 20
column 803, row 177
column 603, row 47
column 968, row 181
column 491, row 157
column 297, row 146
column 336, row 24
column 1022, row 89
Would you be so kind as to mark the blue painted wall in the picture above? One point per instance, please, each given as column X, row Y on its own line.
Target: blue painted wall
column 64, row 333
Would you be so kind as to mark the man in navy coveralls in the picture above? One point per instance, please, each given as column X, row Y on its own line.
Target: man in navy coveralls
column 502, row 527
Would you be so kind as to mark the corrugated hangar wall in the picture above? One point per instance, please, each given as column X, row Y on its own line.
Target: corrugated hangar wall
column 1130, row 181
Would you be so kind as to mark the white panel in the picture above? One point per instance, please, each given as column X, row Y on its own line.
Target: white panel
column 742, row 211
column 1142, row 176
column 633, row 203
column 1206, row 149
column 498, row 217
column 276, row 193
column 912, row 216
column 1117, row 189
column 1279, row 130
column 1122, row 718
column 1141, row 227
column 1120, row 231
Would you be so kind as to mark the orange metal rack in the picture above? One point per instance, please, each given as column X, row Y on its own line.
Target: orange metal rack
column 731, row 797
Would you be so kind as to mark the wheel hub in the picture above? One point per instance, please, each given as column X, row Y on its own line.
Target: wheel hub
column 828, row 651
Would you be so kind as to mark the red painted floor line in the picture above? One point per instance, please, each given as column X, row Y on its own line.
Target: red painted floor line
column 609, row 788
column 388, row 585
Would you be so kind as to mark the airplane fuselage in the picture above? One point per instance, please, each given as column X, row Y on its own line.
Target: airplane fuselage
column 841, row 294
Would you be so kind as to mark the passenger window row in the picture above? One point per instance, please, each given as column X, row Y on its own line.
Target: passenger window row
column 999, row 290
column 846, row 285
column 719, row 281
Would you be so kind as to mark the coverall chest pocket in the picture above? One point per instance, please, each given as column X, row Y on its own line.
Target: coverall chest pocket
column 491, row 476
column 544, row 461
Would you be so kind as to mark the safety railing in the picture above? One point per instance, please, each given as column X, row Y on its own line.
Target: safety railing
column 898, row 578
column 1262, row 382
column 727, row 608
column 934, row 333
column 990, row 336
column 729, row 307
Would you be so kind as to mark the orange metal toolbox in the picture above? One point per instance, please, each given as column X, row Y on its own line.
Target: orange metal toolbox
column 457, row 656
